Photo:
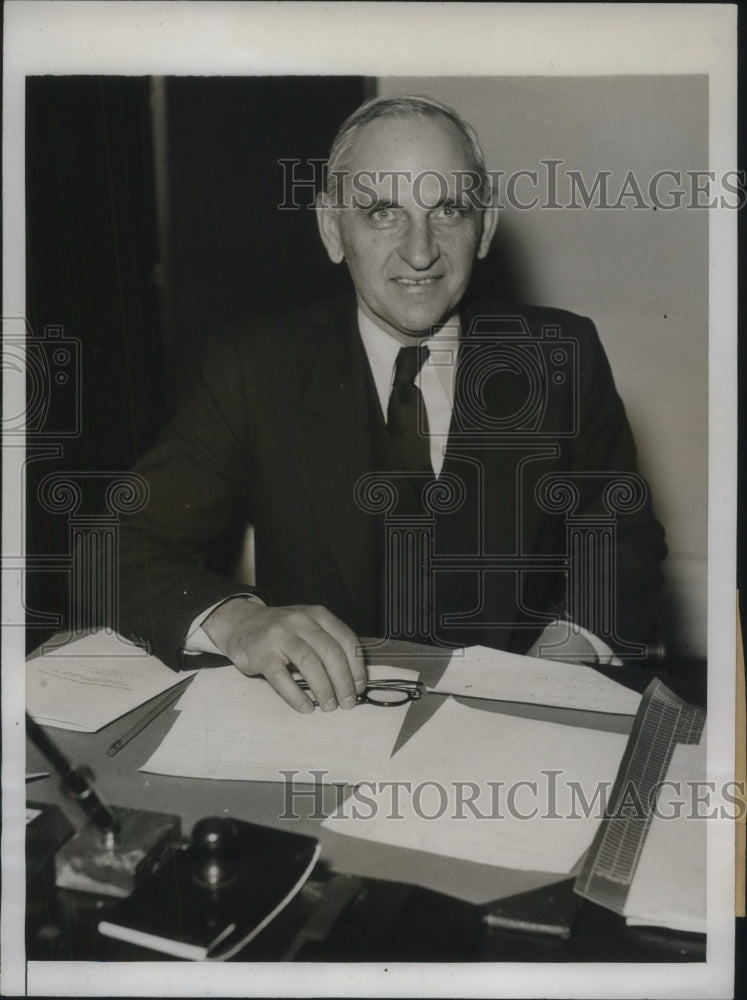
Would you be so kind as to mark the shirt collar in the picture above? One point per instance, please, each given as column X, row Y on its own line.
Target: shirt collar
column 382, row 350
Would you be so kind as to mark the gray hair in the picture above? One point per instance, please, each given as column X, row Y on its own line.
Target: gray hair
column 402, row 107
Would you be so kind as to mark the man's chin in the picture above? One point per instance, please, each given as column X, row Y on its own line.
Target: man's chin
column 415, row 327
column 407, row 325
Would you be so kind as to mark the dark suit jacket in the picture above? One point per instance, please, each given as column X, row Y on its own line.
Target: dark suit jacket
column 283, row 419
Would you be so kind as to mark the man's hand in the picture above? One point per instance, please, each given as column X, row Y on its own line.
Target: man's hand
column 559, row 641
column 309, row 638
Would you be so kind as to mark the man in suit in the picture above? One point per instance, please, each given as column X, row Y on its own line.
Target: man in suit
column 414, row 463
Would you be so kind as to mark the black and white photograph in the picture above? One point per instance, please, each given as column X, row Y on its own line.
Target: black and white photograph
column 369, row 500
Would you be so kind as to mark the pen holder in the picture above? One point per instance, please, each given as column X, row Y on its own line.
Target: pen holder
column 92, row 861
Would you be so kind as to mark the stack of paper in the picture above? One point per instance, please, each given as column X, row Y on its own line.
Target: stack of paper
column 491, row 788
column 669, row 885
column 480, row 672
column 232, row 726
column 92, row 681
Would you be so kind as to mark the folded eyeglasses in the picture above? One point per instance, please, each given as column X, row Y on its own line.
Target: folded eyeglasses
column 386, row 693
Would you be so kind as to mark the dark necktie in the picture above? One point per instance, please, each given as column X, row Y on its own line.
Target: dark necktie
column 407, row 420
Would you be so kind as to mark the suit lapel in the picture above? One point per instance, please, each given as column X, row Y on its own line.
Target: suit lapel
column 487, row 394
column 484, row 447
column 330, row 440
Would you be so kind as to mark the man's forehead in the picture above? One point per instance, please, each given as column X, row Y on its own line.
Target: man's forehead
column 408, row 143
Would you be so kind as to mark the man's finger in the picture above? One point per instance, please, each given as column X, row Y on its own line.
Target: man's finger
column 334, row 661
column 277, row 676
column 316, row 664
column 347, row 640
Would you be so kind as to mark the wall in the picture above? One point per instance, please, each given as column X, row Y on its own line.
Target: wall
column 640, row 273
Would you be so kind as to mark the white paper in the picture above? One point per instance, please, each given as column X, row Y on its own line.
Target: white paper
column 92, row 681
column 480, row 672
column 237, row 727
column 669, row 885
column 513, row 766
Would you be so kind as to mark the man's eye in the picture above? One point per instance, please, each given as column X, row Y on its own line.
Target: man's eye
column 382, row 215
column 450, row 213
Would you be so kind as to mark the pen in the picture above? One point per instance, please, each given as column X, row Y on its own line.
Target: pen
column 77, row 781
column 159, row 705
column 504, row 922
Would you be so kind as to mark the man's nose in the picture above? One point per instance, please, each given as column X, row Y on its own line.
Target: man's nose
column 419, row 247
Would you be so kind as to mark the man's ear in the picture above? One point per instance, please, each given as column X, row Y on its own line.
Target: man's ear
column 327, row 218
column 489, row 222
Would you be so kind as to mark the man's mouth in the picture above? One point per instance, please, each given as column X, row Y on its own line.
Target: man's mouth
column 417, row 282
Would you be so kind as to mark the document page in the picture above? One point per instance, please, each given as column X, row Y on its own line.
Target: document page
column 237, row 727
column 491, row 788
column 86, row 684
column 480, row 672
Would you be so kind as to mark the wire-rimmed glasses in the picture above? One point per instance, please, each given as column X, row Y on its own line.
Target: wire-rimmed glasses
column 385, row 693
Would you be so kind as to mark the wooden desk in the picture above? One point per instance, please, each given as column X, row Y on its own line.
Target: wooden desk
column 430, row 907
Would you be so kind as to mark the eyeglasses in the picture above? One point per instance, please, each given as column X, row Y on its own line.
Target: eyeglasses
column 386, row 693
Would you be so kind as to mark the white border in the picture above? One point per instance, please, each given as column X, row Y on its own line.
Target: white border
column 402, row 39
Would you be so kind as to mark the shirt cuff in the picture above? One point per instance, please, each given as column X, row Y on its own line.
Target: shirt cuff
column 198, row 641
column 605, row 655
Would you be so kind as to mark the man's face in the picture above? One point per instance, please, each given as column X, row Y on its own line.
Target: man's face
column 407, row 228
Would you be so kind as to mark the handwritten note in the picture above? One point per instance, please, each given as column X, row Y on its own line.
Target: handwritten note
column 232, row 726
column 480, row 672
column 491, row 788
column 86, row 684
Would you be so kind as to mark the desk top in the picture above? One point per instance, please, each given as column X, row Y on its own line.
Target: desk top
column 120, row 781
